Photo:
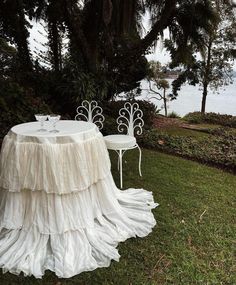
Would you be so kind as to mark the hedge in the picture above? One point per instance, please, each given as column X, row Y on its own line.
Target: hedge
column 220, row 150
column 211, row 118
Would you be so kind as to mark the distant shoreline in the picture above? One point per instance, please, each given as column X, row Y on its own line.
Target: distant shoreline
column 189, row 99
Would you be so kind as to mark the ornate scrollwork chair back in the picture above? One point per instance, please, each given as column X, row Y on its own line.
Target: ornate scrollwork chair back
column 90, row 112
column 130, row 119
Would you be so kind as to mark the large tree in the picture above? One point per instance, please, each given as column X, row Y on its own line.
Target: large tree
column 211, row 65
column 106, row 47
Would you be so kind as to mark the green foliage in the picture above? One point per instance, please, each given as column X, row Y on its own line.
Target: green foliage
column 101, row 60
column 7, row 58
column 17, row 105
column 211, row 118
column 80, row 85
column 219, row 150
column 14, row 28
column 155, row 70
column 173, row 115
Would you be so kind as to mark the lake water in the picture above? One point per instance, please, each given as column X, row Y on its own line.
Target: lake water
column 189, row 100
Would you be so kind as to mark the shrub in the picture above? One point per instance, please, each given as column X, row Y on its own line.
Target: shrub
column 211, row 118
column 194, row 118
column 18, row 105
column 173, row 115
column 220, row 150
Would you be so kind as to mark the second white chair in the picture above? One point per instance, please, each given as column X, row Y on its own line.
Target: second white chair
column 129, row 121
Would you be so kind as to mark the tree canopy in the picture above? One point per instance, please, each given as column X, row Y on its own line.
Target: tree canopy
column 106, row 45
column 211, row 63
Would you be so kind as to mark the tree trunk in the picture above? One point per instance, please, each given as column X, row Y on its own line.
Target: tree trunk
column 54, row 43
column 21, row 37
column 204, row 96
column 164, row 99
column 206, row 76
column 73, row 22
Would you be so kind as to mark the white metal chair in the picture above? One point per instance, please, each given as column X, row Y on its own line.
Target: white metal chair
column 129, row 120
column 90, row 112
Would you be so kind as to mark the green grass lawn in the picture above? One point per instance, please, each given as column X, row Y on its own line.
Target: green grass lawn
column 177, row 131
column 195, row 237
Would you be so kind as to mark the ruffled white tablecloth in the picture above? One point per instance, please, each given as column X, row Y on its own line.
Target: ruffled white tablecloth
column 59, row 206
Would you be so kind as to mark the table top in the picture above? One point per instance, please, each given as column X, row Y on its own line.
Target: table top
column 65, row 127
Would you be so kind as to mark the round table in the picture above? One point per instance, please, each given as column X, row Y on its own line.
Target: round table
column 59, row 206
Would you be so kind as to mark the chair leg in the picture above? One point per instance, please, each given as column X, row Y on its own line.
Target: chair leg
column 118, row 162
column 140, row 160
column 120, row 165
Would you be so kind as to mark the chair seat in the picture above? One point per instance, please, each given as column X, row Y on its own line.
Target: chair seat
column 117, row 142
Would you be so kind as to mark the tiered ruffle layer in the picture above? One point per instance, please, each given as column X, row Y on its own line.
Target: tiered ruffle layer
column 70, row 233
column 61, row 210
column 54, row 168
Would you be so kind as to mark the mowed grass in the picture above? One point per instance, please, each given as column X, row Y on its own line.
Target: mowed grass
column 178, row 131
column 194, row 240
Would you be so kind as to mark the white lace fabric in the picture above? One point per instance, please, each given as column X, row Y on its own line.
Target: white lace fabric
column 59, row 206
